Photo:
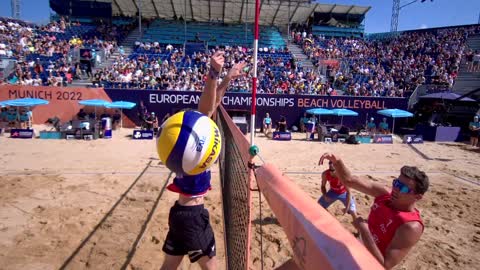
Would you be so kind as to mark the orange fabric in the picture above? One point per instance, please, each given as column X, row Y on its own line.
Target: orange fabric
column 318, row 240
column 63, row 100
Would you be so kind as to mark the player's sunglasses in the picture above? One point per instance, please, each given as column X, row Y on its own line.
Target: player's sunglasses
column 401, row 186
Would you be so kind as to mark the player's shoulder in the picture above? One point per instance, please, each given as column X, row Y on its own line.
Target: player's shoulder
column 412, row 229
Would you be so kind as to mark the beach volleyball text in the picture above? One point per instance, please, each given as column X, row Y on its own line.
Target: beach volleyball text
column 340, row 102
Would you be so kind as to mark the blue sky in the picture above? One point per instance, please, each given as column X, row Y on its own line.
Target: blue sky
column 419, row 15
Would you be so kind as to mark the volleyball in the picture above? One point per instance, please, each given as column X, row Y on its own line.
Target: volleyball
column 188, row 143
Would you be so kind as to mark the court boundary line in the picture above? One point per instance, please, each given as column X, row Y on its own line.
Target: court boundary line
column 135, row 244
column 354, row 172
column 14, row 173
column 99, row 224
column 462, row 179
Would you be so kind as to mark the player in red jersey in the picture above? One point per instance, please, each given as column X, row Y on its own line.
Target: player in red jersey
column 336, row 192
column 394, row 225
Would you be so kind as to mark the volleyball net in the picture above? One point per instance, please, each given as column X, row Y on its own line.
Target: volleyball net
column 316, row 237
column 235, row 179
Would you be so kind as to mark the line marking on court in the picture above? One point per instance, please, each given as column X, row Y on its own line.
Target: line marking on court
column 144, row 227
column 355, row 172
column 112, row 209
column 462, row 179
column 13, row 173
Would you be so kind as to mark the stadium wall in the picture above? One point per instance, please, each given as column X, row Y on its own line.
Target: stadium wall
column 64, row 103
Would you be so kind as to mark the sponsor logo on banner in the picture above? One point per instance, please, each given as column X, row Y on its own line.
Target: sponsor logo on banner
column 282, row 136
column 413, row 139
column 21, row 133
column 383, row 139
column 142, row 135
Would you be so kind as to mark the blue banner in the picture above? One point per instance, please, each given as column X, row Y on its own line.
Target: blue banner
column 290, row 106
column 142, row 135
column 383, row 139
column 282, row 136
column 413, row 139
column 21, row 133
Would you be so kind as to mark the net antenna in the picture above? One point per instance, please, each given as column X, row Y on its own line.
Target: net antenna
column 254, row 79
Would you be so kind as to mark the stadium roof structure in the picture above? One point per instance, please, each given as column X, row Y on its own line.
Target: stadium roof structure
column 272, row 12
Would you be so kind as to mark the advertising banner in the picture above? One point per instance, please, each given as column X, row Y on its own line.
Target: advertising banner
column 142, row 135
column 413, row 139
column 282, row 136
column 383, row 139
column 21, row 133
column 64, row 104
column 290, row 106
column 63, row 100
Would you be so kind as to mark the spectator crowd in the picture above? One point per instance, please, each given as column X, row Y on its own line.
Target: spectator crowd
column 392, row 66
column 45, row 54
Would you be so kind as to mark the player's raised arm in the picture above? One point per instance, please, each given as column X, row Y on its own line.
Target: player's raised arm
column 352, row 181
column 208, row 97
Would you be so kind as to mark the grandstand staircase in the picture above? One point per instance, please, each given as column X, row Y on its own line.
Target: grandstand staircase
column 127, row 44
column 299, row 56
column 468, row 81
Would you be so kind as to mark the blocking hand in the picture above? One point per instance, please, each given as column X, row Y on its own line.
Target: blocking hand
column 217, row 60
column 237, row 70
column 328, row 156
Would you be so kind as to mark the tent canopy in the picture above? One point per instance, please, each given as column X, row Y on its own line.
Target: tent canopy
column 395, row 113
column 272, row 12
column 25, row 102
column 94, row 102
column 319, row 111
column 121, row 105
column 344, row 112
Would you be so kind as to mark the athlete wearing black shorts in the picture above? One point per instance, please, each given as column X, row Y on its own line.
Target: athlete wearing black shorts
column 190, row 233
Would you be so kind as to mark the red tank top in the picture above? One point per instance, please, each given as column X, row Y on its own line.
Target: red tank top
column 335, row 183
column 383, row 221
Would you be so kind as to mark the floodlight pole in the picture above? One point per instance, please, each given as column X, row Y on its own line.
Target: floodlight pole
column 139, row 4
column 396, row 13
column 288, row 26
column 16, row 9
column 246, row 24
column 254, row 79
column 185, row 24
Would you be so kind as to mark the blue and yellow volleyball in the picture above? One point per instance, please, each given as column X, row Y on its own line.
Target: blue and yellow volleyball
column 188, row 143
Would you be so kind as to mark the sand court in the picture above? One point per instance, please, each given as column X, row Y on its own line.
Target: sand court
column 102, row 204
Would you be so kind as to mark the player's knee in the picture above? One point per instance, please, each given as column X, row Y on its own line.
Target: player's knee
column 171, row 262
column 207, row 263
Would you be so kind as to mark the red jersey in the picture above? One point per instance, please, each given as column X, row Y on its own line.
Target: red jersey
column 335, row 183
column 384, row 221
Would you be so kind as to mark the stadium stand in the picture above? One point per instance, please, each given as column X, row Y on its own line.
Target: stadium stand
column 393, row 66
column 44, row 55
column 379, row 65
column 214, row 34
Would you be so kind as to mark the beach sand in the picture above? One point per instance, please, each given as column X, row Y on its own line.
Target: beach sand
column 102, row 204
